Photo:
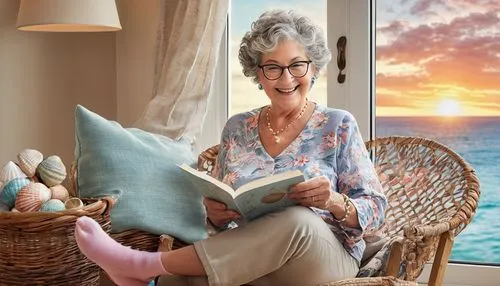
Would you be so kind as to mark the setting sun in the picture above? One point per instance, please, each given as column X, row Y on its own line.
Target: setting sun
column 448, row 107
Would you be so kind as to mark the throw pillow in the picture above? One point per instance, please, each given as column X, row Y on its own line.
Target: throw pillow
column 140, row 169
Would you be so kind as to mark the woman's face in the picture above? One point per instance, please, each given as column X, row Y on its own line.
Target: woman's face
column 287, row 91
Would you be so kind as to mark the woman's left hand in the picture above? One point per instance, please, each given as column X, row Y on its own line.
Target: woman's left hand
column 315, row 192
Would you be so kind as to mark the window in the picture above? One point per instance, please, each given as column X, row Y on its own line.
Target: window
column 438, row 65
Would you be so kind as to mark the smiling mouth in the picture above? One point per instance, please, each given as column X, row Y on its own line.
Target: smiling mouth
column 287, row 90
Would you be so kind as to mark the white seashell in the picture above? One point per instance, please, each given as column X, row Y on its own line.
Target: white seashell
column 14, row 210
column 73, row 204
column 59, row 192
column 29, row 159
column 31, row 197
column 11, row 171
column 52, row 171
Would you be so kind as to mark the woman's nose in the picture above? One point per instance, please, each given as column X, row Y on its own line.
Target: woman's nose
column 287, row 76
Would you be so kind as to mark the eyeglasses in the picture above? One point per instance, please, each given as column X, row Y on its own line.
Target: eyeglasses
column 296, row 69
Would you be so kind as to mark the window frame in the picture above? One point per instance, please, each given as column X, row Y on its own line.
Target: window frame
column 219, row 98
column 356, row 20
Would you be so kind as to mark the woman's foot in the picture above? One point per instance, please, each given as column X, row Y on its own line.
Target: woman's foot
column 125, row 266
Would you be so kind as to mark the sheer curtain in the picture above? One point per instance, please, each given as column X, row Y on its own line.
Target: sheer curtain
column 188, row 42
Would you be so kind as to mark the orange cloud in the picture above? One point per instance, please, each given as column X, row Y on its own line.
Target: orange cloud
column 391, row 100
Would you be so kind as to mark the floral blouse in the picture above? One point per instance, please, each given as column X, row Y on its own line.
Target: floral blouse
column 330, row 145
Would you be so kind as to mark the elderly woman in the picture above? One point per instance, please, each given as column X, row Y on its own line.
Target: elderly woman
column 319, row 241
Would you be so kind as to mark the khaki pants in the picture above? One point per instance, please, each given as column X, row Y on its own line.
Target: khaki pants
column 290, row 247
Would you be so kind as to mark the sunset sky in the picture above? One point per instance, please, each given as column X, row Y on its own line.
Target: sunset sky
column 434, row 57
column 438, row 57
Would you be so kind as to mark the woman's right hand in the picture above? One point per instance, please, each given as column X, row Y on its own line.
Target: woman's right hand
column 218, row 213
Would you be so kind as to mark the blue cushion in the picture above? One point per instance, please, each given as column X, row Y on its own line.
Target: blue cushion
column 140, row 169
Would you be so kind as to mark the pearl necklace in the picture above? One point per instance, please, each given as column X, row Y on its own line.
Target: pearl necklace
column 278, row 132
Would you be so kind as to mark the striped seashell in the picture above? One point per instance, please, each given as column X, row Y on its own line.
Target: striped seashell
column 11, row 189
column 31, row 197
column 11, row 171
column 28, row 160
column 59, row 192
column 52, row 171
column 52, row 205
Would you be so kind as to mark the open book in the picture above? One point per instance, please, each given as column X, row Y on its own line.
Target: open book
column 253, row 199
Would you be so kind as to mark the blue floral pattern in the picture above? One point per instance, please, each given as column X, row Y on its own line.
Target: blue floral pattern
column 330, row 145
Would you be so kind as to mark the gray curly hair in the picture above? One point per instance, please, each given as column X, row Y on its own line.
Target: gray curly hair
column 278, row 25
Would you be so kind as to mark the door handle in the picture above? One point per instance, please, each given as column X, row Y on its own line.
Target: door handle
column 341, row 58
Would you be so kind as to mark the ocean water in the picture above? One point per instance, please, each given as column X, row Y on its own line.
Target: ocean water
column 477, row 140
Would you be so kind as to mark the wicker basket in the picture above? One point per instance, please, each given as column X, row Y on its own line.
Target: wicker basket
column 40, row 249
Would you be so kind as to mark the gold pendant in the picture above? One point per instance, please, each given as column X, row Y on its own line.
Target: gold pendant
column 276, row 139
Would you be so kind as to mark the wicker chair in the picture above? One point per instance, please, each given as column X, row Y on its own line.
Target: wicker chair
column 432, row 192
column 433, row 195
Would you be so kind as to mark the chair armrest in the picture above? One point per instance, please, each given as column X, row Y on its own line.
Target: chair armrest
column 418, row 246
column 427, row 229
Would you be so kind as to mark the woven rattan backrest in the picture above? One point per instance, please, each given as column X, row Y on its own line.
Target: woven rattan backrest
column 425, row 183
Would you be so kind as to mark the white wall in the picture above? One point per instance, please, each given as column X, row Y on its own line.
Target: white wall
column 44, row 75
column 42, row 78
column 135, row 48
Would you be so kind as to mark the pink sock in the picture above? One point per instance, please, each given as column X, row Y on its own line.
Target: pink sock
column 125, row 266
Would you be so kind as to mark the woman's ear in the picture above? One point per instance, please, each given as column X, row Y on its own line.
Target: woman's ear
column 314, row 76
column 313, row 80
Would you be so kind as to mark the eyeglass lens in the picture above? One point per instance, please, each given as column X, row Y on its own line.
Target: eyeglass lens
column 297, row 69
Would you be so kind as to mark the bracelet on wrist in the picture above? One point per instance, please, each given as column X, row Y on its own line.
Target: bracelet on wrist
column 347, row 210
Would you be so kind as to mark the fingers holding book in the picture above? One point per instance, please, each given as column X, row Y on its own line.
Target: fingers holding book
column 314, row 192
column 218, row 213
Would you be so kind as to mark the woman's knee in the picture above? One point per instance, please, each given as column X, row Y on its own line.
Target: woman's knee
column 302, row 219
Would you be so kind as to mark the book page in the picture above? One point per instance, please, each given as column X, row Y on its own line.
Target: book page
column 268, row 180
column 210, row 187
column 267, row 198
column 211, row 191
column 203, row 176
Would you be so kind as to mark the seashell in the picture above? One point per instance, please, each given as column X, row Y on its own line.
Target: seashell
column 31, row 197
column 11, row 171
column 4, row 207
column 73, row 204
column 29, row 159
column 14, row 210
column 52, row 171
column 52, row 205
column 59, row 192
column 11, row 189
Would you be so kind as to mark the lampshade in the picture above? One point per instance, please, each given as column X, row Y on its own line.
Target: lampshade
column 68, row 16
